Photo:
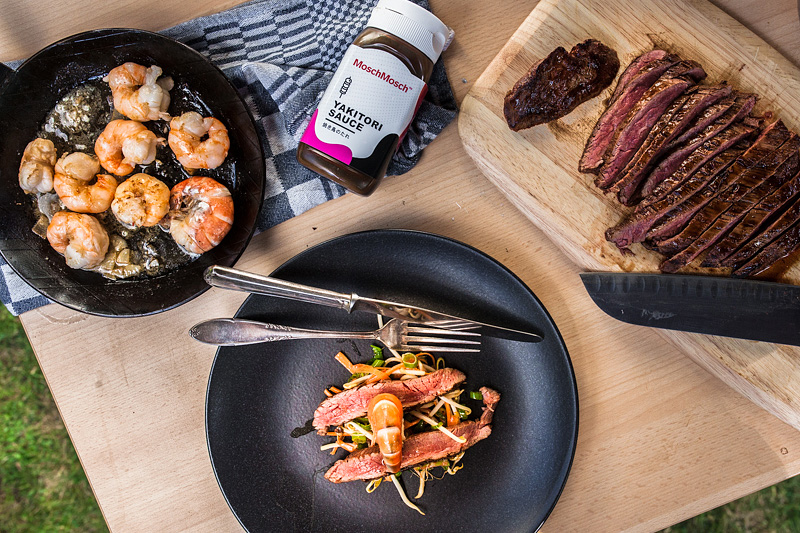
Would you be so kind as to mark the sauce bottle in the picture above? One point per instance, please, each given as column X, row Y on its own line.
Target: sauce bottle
column 373, row 96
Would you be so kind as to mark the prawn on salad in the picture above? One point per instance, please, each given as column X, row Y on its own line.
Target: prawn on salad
column 138, row 93
column 80, row 186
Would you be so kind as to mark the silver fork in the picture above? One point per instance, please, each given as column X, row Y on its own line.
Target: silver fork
column 400, row 335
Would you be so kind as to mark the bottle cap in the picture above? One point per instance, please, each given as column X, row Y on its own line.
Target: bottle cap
column 414, row 24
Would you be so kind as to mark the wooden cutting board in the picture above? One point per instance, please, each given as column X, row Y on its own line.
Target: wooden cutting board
column 537, row 168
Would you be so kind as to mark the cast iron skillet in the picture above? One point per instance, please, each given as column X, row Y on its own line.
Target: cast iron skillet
column 27, row 95
column 272, row 477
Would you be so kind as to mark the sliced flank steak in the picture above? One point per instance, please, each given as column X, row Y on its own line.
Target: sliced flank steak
column 786, row 244
column 604, row 131
column 418, row 449
column 672, row 123
column 353, row 403
column 732, row 192
column 633, row 130
column 732, row 204
column 636, row 66
column 688, row 156
column 753, row 221
column 672, row 206
column 760, row 241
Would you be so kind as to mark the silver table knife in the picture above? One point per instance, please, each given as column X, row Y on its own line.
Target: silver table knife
column 230, row 278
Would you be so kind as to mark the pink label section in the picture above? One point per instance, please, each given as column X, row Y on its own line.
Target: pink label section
column 337, row 151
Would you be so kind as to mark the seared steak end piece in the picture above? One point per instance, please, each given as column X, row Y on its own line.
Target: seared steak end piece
column 418, row 449
column 559, row 83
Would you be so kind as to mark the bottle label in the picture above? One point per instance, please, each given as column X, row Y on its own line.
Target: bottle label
column 366, row 109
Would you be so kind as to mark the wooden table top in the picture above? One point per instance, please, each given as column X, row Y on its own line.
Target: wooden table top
column 660, row 439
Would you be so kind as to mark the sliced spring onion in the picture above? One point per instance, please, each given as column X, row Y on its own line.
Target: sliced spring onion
column 372, row 485
column 476, row 395
column 378, row 362
column 409, row 360
column 439, row 363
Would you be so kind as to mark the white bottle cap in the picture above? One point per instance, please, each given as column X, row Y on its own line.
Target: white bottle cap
column 414, row 24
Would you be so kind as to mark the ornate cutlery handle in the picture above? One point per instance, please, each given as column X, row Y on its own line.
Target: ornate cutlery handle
column 230, row 278
column 236, row 332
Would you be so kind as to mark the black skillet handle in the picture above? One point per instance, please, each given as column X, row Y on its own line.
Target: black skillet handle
column 5, row 72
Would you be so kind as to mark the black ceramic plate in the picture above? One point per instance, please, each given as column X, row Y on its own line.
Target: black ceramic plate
column 26, row 97
column 258, row 394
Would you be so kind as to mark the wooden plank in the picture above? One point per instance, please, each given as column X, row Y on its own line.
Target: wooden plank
column 537, row 168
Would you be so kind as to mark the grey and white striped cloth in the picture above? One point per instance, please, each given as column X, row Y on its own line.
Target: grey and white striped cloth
column 280, row 54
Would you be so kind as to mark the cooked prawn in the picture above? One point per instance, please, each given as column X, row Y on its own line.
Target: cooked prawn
column 36, row 166
column 138, row 93
column 141, row 201
column 385, row 414
column 198, row 142
column 74, row 174
column 124, row 144
column 80, row 238
column 201, row 214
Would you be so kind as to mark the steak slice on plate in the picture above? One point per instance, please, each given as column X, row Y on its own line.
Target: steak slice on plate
column 352, row 403
column 419, row 448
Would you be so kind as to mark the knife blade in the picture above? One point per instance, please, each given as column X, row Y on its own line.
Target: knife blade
column 230, row 278
column 744, row 309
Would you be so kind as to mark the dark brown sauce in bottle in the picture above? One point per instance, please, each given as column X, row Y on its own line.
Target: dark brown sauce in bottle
column 419, row 63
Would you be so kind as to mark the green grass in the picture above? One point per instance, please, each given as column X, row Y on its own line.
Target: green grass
column 43, row 487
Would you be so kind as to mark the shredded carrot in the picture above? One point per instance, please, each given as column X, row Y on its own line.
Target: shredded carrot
column 342, row 358
column 336, row 390
column 328, row 393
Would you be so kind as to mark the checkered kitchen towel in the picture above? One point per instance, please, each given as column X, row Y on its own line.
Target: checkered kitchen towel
column 281, row 54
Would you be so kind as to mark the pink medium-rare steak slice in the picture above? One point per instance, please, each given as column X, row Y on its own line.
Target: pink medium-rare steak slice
column 703, row 103
column 419, row 448
column 636, row 66
column 352, row 403
column 559, row 83
column 604, row 131
column 693, row 183
column 641, row 120
column 676, row 161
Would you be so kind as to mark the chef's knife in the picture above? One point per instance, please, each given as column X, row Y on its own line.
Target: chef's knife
column 229, row 278
column 744, row 309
